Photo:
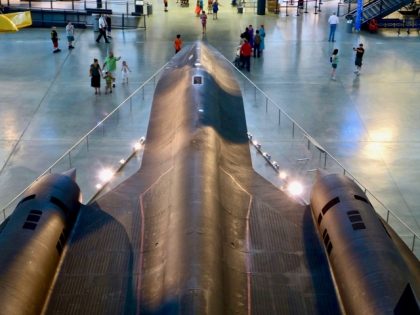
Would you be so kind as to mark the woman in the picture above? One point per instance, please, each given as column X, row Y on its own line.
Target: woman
column 95, row 73
column 334, row 63
column 262, row 35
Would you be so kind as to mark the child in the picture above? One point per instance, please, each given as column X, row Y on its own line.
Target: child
column 124, row 72
column 203, row 18
column 177, row 43
column 54, row 39
column 197, row 9
column 108, row 79
column 70, row 34
column 334, row 62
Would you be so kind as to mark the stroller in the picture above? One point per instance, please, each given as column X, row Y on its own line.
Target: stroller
column 238, row 62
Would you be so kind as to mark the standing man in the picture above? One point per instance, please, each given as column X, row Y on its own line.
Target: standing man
column 102, row 30
column 246, row 51
column 111, row 64
column 215, row 9
column 178, row 43
column 359, row 57
column 333, row 21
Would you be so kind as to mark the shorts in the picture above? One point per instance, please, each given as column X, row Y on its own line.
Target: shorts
column 334, row 65
column 70, row 38
column 358, row 62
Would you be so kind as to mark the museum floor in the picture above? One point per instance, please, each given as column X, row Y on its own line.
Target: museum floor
column 368, row 122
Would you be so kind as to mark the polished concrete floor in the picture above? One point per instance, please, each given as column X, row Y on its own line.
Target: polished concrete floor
column 368, row 122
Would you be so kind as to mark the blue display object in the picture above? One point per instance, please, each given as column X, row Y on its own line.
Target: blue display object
column 358, row 22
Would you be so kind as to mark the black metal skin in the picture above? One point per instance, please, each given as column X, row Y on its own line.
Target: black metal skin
column 369, row 268
column 196, row 120
column 31, row 242
column 194, row 230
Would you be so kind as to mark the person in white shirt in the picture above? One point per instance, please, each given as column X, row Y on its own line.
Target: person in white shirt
column 70, row 34
column 102, row 29
column 333, row 21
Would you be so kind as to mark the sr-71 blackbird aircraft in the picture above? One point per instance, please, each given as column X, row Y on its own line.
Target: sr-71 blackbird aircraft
column 197, row 231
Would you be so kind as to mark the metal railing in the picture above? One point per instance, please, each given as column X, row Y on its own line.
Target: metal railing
column 126, row 7
column 299, row 6
column 298, row 154
column 91, row 152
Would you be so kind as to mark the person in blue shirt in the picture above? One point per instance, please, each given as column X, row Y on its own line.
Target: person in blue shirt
column 215, row 9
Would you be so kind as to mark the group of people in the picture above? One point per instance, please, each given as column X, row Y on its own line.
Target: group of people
column 333, row 22
column 69, row 35
column 104, row 31
column 251, row 43
column 212, row 7
column 360, row 51
column 110, row 64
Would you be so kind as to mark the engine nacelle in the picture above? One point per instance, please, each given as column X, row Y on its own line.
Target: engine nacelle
column 32, row 240
column 371, row 275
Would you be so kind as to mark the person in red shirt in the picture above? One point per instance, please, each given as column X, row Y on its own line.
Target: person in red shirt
column 246, row 51
column 178, row 43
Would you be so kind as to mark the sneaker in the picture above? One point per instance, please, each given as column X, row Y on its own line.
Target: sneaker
column 97, row 41
column 113, row 85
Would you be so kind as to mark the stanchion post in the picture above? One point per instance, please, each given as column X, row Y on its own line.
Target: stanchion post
column 414, row 241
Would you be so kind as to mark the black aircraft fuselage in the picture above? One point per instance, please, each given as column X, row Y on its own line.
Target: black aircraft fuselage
column 196, row 230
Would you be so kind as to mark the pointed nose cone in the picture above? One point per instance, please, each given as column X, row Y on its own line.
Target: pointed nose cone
column 71, row 173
